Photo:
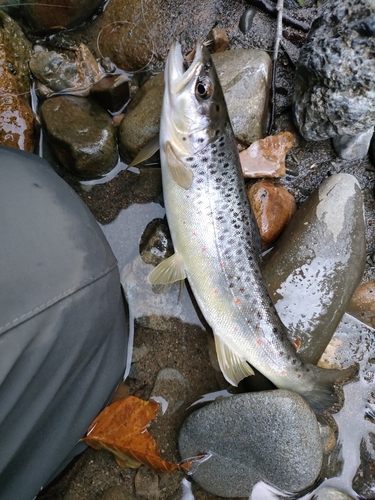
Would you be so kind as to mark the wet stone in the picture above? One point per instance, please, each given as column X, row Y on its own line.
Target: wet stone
column 317, row 263
column 65, row 13
column 334, row 84
column 362, row 305
column 71, row 71
column 353, row 147
column 245, row 76
column 331, row 494
column 364, row 479
column 156, row 244
column 266, row 157
column 112, row 92
column 16, row 116
column 273, row 207
column 270, row 436
column 81, row 135
column 146, row 484
column 142, row 119
column 171, row 386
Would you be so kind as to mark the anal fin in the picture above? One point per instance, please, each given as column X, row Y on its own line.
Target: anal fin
column 234, row 367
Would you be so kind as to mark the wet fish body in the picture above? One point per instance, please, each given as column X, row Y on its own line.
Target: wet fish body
column 216, row 238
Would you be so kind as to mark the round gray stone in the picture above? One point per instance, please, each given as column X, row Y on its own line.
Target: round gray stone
column 270, row 436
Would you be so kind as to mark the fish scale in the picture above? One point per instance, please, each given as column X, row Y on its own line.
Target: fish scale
column 216, row 238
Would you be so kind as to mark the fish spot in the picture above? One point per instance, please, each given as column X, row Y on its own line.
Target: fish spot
column 216, row 291
column 200, row 139
column 226, row 165
column 190, row 158
column 274, row 329
column 281, row 353
column 204, row 249
column 259, row 341
column 237, row 302
column 184, row 138
column 260, row 315
column 235, row 329
column 242, row 290
column 222, row 264
column 217, row 132
column 231, row 285
column 221, row 154
column 282, row 372
column 204, row 158
column 294, row 361
column 298, row 375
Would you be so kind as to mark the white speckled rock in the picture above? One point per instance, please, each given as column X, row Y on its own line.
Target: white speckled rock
column 270, row 436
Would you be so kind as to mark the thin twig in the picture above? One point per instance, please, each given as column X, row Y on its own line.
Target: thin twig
column 279, row 34
column 287, row 19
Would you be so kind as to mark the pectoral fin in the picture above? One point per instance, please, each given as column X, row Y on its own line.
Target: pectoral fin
column 168, row 271
column 182, row 175
column 147, row 151
column 234, row 367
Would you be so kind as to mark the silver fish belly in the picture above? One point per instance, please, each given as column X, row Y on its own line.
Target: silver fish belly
column 216, row 238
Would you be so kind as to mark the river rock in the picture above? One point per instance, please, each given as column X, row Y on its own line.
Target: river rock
column 331, row 494
column 317, row 264
column 353, row 147
column 353, row 341
column 64, row 13
column 244, row 75
column 156, row 244
column 171, row 386
column 364, row 479
column 71, row 71
column 142, row 119
column 146, row 484
column 334, row 84
column 273, row 208
column 270, row 436
column 362, row 305
column 16, row 115
column 266, row 157
column 81, row 134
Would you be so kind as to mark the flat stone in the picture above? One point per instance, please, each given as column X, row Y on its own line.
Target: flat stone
column 317, row 263
column 266, row 157
column 245, row 76
column 270, row 436
column 364, row 479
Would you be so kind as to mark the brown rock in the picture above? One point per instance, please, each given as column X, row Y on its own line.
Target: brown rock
column 43, row 15
column 16, row 116
column 273, row 206
column 81, row 135
column 142, row 119
column 266, row 157
column 362, row 305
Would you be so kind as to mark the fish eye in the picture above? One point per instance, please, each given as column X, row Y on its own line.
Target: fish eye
column 204, row 88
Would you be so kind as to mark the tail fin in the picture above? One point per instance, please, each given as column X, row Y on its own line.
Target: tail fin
column 327, row 393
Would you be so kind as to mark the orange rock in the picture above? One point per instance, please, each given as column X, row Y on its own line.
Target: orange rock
column 266, row 157
column 16, row 116
column 273, row 206
column 362, row 305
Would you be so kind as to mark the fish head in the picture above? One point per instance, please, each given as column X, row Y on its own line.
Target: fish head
column 194, row 110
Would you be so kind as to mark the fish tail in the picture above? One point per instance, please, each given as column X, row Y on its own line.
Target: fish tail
column 327, row 393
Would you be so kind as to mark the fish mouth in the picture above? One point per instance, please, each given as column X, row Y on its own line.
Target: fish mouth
column 177, row 77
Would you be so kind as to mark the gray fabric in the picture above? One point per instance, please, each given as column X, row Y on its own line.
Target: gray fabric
column 63, row 323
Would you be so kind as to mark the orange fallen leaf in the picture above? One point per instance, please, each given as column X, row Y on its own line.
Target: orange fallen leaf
column 122, row 429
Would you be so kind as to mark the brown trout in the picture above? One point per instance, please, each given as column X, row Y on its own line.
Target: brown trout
column 216, row 238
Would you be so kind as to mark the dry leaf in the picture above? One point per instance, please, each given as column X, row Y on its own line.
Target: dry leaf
column 122, row 429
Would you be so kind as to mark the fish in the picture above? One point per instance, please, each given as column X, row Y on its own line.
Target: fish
column 216, row 239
